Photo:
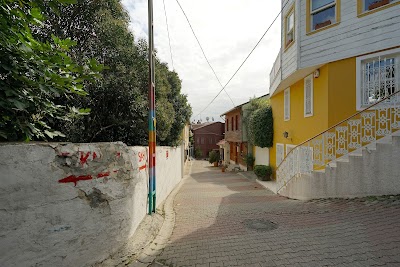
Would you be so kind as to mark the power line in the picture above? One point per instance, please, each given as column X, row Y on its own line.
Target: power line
column 234, row 74
column 204, row 54
column 169, row 39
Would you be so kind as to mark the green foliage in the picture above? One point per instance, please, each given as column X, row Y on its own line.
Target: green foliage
column 119, row 98
column 255, row 104
column 198, row 153
column 213, row 156
column 261, row 127
column 35, row 74
column 262, row 171
column 249, row 160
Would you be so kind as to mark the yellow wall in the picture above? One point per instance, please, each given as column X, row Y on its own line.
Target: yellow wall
column 342, row 90
column 300, row 128
column 334, row 101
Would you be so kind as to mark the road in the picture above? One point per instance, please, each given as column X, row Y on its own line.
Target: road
column 223, row 219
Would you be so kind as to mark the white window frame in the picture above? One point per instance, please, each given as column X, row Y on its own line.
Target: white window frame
column 313, row 12
column 360, row 61
column 364, row 10
column 286, row 105
column 289, row 148
column 311, row 78
column 279, row 158
column 287, row 30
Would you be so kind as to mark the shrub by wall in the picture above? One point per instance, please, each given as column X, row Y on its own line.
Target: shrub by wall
column 261, row 127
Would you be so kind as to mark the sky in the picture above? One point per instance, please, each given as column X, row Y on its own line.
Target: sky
column 227, row 31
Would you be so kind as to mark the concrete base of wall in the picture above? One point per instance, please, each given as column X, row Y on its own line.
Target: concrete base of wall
column 371, row 172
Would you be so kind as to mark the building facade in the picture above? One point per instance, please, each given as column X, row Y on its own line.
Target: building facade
column 337, row 58
column 206, row 136
column 234, row 137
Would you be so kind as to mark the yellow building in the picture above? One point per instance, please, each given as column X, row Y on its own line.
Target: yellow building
column 337, row 58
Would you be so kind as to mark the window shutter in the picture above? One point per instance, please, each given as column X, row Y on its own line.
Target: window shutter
column 308, row 96
column 287, row 104
column 280, row 152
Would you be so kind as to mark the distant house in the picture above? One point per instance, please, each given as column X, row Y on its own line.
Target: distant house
column 236, row 137
column 206, row 136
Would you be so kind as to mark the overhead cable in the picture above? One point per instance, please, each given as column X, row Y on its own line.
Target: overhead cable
column 244, row 61
column 204, row 54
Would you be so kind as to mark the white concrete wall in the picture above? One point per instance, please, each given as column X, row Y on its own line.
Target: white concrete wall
column 169, row 171
column 47, row 220
column 261, row 156
column 374, row 173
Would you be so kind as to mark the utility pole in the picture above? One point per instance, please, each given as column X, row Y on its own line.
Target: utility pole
column 152, row 115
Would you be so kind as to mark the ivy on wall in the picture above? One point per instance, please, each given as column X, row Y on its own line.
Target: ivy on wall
column 261, row 127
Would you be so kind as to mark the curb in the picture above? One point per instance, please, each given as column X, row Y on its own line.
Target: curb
column 156, row 247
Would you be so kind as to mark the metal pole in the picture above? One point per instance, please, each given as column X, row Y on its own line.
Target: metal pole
column 152, row 116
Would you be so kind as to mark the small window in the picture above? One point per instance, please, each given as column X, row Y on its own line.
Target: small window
column 202, row 140
column 286, row 100
column 308, row 96
column 198, row 140
column 323, row 13
column 231, row 123
column 368, row 5
column 237, row 123
column 289, row 28
column 227, row 125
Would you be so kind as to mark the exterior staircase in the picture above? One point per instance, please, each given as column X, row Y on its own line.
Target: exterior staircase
column 358, row 157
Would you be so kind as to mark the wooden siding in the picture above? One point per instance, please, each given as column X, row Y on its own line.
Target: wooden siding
column 353, row 35
column 289, row 56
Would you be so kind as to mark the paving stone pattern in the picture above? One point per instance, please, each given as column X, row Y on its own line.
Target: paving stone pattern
column 219, row 216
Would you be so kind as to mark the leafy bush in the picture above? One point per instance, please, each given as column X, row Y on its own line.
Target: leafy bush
column 35, row 75
column 249, row 160
column 213, row 156
column 261, row 127
column 262, row 171
column 198, row 153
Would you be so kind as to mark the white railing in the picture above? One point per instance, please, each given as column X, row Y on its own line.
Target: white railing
column 275, row 69
column 363, row 128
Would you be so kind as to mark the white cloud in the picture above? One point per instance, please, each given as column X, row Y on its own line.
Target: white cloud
column 227, row 30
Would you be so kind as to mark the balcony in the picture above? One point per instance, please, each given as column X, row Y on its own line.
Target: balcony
column 275, row 76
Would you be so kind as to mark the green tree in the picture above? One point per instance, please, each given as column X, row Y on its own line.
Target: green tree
column 255, row 104
column 119, row 98
column 35, row 74
column 261, row 127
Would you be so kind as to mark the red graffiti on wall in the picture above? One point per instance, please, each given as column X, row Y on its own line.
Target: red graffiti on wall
column 141, row 156
column 142, row 167
column 75, row 179
column 84, row 157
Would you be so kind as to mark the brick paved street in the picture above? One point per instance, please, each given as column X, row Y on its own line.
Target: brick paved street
column 223, row 219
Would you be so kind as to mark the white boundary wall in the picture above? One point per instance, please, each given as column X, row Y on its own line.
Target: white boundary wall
column 47, row 220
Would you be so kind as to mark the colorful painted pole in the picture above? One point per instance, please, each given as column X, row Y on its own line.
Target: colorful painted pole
column 152, row 116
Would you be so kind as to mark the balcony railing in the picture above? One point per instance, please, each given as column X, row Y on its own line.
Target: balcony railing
column 275, row 74
column 363, row 128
